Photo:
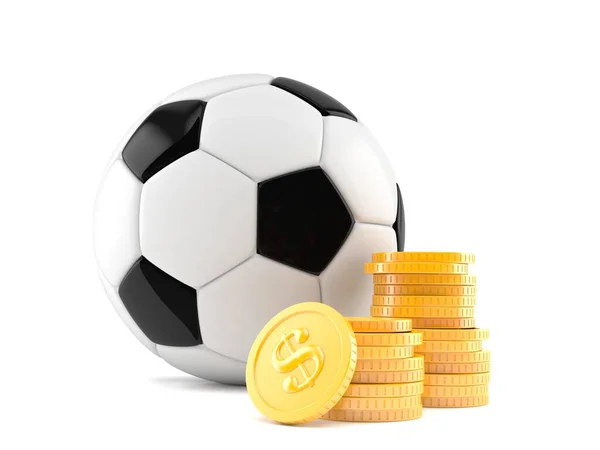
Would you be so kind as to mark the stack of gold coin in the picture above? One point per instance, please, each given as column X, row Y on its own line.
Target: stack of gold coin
column 437, row 292
column 388, row 381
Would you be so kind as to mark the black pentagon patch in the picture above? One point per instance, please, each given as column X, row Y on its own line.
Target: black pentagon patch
column 165, row 309
column 327, row 105
column 302, row 220
column 168, row 133
column 399, row 223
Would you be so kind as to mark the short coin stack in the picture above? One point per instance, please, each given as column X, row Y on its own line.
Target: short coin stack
column 388, row 381
column 436, row 291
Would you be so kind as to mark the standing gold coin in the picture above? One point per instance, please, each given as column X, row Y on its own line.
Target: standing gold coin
column 378, row 403
column 443, row 257
column 419, row 289
column 389, row 365
column 475, row 334
column 424, row 301
column 421, row 312
column 384, row 390
column 379, row 324
column 416, row 267
column 353, row 415
column 455, row 391
column 457, row 358
column 301, row 363
column 388, row 339
column 385, row 352
column 474, row 367
column 406, row 376
column 466, row 379
column 420, row 278
column 445, row 322
column 449, row 346
column 455, row 402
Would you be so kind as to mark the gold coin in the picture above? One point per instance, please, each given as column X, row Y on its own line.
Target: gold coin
column 421, row 312
column 474, row 367
column 475, row 334
column 416, row 267
column 388, row 339
column 436, row 322
column 420, row 278
column 455, row 402
column 457, row 358
column 465, row 379
column 353, row 415
column 419, row 289
column 424, row 301
column 385, row 352
column 384, row 390
column 378, row 403
column 379, row 324
column 449, row 346
column 455, row 391
column 442, row 257
column 301, row 363
column 389, row 365
column 406, row 376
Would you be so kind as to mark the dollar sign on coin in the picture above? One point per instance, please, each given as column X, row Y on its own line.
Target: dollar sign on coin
column 301, row 363
column 296, row 359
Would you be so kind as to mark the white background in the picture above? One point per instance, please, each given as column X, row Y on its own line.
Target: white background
column 490, row 112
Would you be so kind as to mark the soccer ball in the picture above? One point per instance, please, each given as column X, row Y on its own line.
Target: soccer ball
column 231, row 200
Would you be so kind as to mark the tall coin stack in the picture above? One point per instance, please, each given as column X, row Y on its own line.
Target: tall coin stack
column 436, row 291
column 388, row 380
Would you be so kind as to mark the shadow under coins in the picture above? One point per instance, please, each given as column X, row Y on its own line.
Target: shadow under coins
column 184, row 383
column 319, row 423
